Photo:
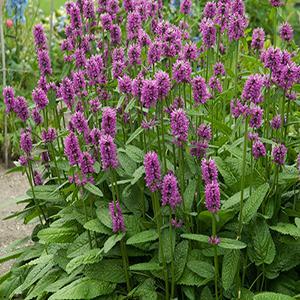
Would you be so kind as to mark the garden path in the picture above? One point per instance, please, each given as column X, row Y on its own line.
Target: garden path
column 11, row 186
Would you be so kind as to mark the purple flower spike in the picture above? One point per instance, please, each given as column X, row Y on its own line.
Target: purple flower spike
column 21, row 108
column 26, row 141
column 212, row 197
column 258, row 39
column 109, row 121
column 37, row 178
column 286, row 32
column 117, row 217
column 40, row 39
column 204, row 132
column 72, row 149
column 185, row 6
column 9, row 99
column 200, row 91
column 108, row 152
column 40, row 98
column 149, row 93
column 170, row 192
column 86, row 163
column 48, row 136
column 209, row 170
column 179, row 126
column 279, row 154
column 152, row 171
column 163, row 83
column 276, row 122
column 258, row 149
column 182, row 71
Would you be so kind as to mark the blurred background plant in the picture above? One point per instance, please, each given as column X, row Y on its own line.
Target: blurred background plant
column 19, row 17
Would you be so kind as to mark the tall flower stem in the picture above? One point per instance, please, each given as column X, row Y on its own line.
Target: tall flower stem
column 158, row 219
column 172, row 255
column 216, row 262
column 236, row 67
column 31, row 182
column 123, row 247
column 163, row 136
column 243, row 180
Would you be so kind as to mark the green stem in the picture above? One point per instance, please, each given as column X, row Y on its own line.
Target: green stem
column 125, row 264
column 163, row 137
column 236, row 67
column 172, row 255
column 243, row 179
column 158, row 219
column 31, row 182
column 216, row 262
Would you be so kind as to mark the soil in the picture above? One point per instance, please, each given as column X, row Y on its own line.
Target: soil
column 11, row 186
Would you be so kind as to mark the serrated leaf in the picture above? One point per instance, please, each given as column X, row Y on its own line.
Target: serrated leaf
column 230, row 267
column 112, row 241
column 104, row 216
column 168, row 245
column 143, row 237
column 253, row 203
column 111, row 270
column 235, row 199
column 180, row 258
column 149, row 266
column 84, row 288
column 90, row 257
column 261, row 249
column 287, row 228
column 196, row 237
column 97, row 226
column 231, row 244
column 137, row 175
column 57, row 234
column 272, row 296
column 189, row 194
column 145, row 291
column 203, row 269
column 46, row 192
column 93, row 189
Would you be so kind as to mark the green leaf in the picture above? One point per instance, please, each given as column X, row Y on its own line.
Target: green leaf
column 46, row 192
column 138, row 173
column 235, row 199
column 111, row 270
column 97, row 226
column 57, row 234
column 272, row 296
column 90, row 257
column 189, row 194
column 196, row 237
column 261, row 249
column 11, row 255
column 149, row 266
column 203, row 269
column 287, row 228
column 127, row 163
column 230, row 267
column 103, row 216
column 143, row 237
column 84, row 288
column 180, row 258
column 231, row 244
column 145, row 291
column 93, row 189
column 253, row 203
column 168, row 245
column 112, row 241
column 134, row 135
